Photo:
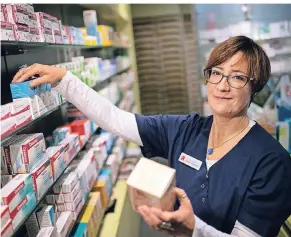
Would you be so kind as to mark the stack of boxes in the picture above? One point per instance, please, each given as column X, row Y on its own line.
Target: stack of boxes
column 101, row 35
column 6, row 223
column 21, row 23
column 89, row 222
column 28, row 104
column 19, row 196
column 29, row 169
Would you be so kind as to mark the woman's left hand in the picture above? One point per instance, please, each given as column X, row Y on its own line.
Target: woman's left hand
column 182, row 221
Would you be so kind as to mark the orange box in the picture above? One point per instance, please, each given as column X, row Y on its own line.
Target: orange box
column 82, row 127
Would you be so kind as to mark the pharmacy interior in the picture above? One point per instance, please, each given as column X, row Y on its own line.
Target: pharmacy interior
column 61, row 174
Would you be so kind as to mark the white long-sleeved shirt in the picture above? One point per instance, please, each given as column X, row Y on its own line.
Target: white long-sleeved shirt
column 123, row 124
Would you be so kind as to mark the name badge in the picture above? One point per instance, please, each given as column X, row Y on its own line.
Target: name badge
column 190, row 161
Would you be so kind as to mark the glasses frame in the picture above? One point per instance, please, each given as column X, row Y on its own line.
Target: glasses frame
column 226, row 76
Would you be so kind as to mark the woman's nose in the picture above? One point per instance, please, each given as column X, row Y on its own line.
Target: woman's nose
column 223, row 85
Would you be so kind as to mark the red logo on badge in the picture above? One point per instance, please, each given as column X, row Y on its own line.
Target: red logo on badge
column 182, row 158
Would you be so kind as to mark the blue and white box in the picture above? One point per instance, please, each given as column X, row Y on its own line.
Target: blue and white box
column 16, row 190
column 27, row 153
column 42, row 178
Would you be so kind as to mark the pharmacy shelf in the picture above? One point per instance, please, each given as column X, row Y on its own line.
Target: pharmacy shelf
column 100, row 85
column 104, row 164
column 19, row 47
column 18, row 229
column 107, row 79
column 18, row 130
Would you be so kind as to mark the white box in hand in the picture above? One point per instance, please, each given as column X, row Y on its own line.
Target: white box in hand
column 151, row 184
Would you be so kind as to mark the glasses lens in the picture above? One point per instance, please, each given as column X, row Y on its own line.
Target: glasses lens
column 238, row 81
column 213, row 76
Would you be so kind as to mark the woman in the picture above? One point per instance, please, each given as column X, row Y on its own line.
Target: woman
column 234, row 178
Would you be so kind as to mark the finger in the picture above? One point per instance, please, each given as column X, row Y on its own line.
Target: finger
column 144, row 215
column 39, row 81
column 166, row 216
column 155, row 219
column 33, row 70
column 182, row 196
column 19, row 74
column 150, row 217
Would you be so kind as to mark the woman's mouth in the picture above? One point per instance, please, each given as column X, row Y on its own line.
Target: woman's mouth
column 222, row 97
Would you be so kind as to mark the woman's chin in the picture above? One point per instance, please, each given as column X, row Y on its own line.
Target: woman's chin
column 222, row 111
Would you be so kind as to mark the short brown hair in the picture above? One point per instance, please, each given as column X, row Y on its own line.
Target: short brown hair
column 258, row 62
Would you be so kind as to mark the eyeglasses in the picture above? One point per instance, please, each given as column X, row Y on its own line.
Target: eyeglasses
column 235, row 81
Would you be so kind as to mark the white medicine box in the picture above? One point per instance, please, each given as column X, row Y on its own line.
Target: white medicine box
column 151, row 184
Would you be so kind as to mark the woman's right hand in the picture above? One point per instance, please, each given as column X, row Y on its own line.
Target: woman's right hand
column 47, row 74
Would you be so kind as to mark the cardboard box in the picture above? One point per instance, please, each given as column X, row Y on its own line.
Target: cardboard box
column 92, row 215
column 47, row 232
column 6, row 159
column 90, row 22
column 32, row 22
column 78, row 210
column 57, row 37
column 46, row 35
column 103, row 185
column 41, row 107
column 46, row 217
column 5, row 179
column 4, row 14
column 7, row 31
column 22, row 210
column 7, row 230
column 16, row 190
column 5, row 217
column 56, row 157
column 21, row 32
column 43, row 20
column 50, row 199
column 22, row 90
column 82, row 127
column 72, row 206
column 28, row 7
column 154, row 188
column 64, row 223
column 24, row 110
column 32, row 225
column 34, row 34
column 113, row 164
column 60, row 200
column 55, row 23
column 70, row 184
column 8, row 125
column 42, row 177
column 27, row 153
column 17, row 14
column 61, row 207
column 61, row 133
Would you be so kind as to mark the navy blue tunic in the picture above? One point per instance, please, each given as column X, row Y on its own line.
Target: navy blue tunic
column 251, row 183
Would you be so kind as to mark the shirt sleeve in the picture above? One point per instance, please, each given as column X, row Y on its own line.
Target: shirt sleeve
column 99, row 109
column 267, row 202
column 204, row 230
column 160, row 131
